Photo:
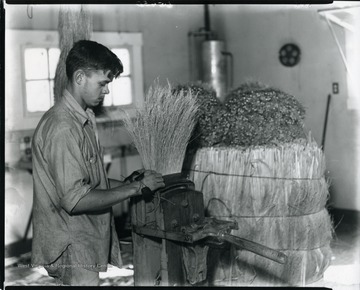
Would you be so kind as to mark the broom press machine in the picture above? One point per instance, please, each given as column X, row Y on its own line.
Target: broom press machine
column 184, row 221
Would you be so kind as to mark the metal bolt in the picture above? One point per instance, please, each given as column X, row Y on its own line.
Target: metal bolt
column 196, row 217
column 174, row 223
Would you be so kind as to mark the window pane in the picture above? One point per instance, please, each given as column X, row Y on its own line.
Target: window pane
column 122, row 91
column 124, row 55
column 54, row 55
column 108, row 98
column 37, row 96
column 36, row 63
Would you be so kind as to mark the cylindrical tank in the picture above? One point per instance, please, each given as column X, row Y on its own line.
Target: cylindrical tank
column 214, row 66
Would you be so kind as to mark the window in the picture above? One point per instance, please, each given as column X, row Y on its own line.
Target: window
column 29, row 89
column 121, row 88
column 40, row 66
column 127, row 90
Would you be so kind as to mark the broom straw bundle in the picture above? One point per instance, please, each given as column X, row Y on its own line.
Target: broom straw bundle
column 75, row 23
column 287, row 179
column 161, row 129
column 277, row 194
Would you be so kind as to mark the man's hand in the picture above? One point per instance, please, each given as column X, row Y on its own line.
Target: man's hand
column 152, row 180
column 132, row 176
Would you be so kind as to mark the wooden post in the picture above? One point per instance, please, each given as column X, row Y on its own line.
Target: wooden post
column 146, row 250
column 155, row 258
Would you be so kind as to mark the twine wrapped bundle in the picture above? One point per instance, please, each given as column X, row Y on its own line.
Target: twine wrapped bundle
column 161, row 129
column 75, row 23
column 277, row 194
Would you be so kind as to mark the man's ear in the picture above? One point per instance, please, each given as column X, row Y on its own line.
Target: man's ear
column 79, row 76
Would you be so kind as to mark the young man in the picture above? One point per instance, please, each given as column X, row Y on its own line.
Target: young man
column 74, row 235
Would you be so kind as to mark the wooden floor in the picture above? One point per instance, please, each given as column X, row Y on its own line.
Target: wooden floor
column 342, row 274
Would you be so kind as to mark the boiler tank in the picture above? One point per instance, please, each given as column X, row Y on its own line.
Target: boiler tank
column 214, row 66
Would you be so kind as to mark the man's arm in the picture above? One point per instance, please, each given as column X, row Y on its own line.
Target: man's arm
column 71, row 178
column 100, row 199
column 115, row 183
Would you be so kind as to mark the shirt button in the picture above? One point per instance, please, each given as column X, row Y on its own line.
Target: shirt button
column 103, row 222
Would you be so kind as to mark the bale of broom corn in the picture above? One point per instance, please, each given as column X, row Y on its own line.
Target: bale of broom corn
column 252, row 114
column 277, row 194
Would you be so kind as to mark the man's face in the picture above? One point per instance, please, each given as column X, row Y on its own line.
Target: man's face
column 96, row 87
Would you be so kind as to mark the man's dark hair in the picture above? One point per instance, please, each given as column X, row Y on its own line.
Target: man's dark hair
column 90, row 55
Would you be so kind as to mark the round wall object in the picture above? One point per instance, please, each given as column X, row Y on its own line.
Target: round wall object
column 289, row 54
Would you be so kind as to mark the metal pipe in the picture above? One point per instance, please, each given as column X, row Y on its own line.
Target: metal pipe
column 230, row 55
column 207, row 20
column 325, row 123
column 191, row 56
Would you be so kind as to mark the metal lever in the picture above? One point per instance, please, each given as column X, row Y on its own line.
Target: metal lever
column 256, row 248
column 214, row 230
column 220, row 231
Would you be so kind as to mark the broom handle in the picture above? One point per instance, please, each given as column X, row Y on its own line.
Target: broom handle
column 256, row 248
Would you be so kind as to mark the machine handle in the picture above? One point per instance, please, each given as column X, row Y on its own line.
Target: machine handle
column 256, row 248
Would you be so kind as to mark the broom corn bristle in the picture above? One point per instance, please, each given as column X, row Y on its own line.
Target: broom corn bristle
column 162, row 127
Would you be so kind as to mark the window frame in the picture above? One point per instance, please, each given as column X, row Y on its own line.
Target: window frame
column 24, row 80
column 130, row 75
column 134, row 42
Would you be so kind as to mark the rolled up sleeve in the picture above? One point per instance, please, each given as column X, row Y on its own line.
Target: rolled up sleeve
column 68, row 168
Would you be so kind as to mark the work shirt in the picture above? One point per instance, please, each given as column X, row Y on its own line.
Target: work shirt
column 67, row 165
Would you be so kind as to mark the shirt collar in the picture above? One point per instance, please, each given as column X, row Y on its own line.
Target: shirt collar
column 80, row 114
